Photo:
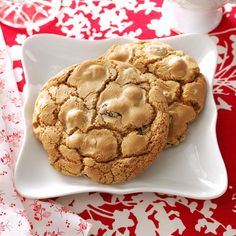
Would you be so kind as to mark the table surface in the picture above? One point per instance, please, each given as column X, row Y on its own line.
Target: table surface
column 152, row 213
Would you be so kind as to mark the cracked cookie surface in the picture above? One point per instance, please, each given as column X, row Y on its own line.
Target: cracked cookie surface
column 177, row 75
column 103, row 119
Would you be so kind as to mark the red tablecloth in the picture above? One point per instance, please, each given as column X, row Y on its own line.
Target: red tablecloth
column 149, row 213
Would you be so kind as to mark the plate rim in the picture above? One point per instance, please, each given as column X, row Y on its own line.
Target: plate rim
column 117, row 191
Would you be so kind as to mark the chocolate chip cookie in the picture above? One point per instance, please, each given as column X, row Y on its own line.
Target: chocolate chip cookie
column 102, row 119
column 177, row 75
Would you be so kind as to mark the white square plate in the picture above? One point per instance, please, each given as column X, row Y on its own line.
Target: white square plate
column 192, row 169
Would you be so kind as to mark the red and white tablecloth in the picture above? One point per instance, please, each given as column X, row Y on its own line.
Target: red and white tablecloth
column 129, row 214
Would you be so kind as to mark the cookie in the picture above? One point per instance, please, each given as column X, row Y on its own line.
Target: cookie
column 102, row 119
column 177, row 75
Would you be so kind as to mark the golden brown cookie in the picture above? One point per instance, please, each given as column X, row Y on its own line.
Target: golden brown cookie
column 102, row 119
column 177, row 75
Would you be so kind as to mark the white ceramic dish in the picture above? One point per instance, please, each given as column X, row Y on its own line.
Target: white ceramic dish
column 193, row 169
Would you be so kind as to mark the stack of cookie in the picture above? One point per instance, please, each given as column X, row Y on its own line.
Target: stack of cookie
column 109, row 119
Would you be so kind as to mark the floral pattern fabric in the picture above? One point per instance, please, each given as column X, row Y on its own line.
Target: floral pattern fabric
column 110, row 214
